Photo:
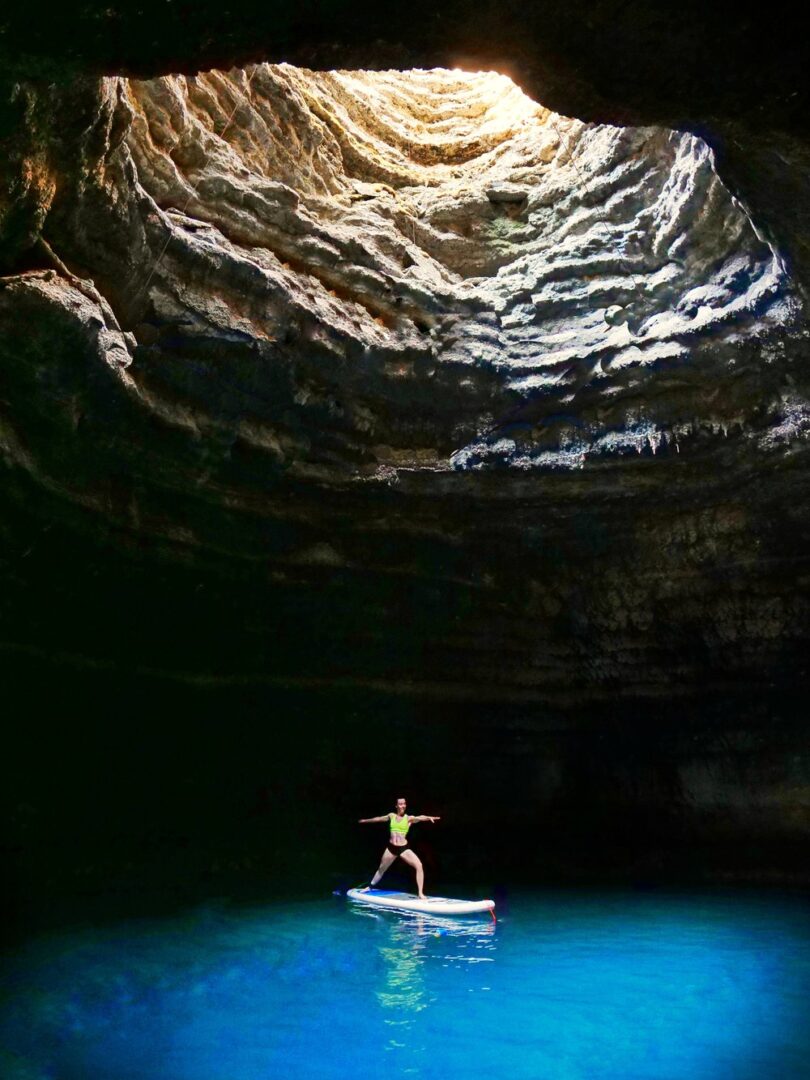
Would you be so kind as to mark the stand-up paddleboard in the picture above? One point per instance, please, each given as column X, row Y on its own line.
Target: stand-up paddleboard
column 431, row 905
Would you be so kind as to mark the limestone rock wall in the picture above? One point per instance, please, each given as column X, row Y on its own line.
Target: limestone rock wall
column 410, row 387
column 394, row 251
column 444, row 392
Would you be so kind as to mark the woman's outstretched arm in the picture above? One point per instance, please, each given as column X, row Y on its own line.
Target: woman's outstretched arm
column 370, row 820
column 424, row 817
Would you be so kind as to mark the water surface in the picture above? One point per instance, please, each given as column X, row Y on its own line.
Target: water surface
column 565, row 986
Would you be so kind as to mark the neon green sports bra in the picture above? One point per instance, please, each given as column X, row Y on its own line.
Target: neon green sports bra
column 400, row 826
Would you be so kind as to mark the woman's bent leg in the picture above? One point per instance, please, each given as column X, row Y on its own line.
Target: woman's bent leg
column 413, row 860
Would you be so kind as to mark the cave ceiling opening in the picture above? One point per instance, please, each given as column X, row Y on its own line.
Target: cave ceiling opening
column 443, row 237
column 305, row 327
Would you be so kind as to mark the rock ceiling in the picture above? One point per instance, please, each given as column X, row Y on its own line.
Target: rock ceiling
column 423, row 252
column 516, row 388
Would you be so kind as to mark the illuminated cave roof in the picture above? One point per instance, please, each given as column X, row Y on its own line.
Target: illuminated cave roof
column 321, row 403
column 407, row 222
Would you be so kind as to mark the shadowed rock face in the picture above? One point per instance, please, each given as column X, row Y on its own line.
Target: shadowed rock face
column 401, row 383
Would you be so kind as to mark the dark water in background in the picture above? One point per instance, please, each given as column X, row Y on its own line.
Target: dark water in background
column 570, row 985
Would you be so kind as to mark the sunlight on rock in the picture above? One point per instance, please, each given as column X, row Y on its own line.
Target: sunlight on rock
column 441, row 221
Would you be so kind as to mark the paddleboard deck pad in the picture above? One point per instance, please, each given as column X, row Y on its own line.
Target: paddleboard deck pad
column 431, row 905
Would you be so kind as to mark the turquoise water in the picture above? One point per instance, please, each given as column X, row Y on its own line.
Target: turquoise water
column 566, row 986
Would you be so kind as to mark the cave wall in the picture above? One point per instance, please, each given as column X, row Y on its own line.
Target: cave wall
column 124, row 794
column 218, row 487
column 730, row 72
column 377, row 402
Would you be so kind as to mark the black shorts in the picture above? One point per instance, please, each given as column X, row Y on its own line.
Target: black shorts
column 397, row 849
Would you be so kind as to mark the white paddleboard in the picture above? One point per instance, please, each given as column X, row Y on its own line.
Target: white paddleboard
column 431, row 905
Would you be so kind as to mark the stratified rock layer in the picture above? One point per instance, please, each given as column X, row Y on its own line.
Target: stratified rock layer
column 400, row 379
column 437, row 226
column 501, row 479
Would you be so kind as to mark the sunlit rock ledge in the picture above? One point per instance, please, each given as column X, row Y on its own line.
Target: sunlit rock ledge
column 364, row 271
column 399, row 380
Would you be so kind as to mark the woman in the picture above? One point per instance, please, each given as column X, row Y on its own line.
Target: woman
column 398, row 847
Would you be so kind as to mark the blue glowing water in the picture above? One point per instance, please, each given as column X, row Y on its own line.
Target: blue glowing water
column 566, row 986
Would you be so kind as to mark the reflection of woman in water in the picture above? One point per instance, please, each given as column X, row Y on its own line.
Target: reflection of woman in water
column 398, row 847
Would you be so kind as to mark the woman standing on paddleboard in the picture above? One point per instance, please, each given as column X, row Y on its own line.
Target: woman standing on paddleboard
column 398, row 847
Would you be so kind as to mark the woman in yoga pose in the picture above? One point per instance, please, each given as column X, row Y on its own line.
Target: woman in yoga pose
column 398, row 847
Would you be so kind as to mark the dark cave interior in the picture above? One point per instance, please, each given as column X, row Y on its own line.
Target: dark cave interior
column 255, row 586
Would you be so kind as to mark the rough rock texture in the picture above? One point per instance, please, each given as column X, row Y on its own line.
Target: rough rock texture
column 733, row 73
column 503, row 248
column 394, row 384
column 394, row 325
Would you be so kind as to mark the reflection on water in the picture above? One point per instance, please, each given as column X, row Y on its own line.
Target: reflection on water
column 404, row 990
column 404, row 950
